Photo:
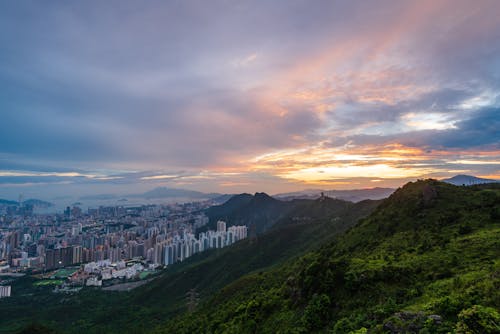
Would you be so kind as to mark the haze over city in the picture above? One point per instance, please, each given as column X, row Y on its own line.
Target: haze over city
column 227, row 96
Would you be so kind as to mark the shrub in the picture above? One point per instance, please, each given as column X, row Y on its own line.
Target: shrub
column 317, row 312
column 478, row 319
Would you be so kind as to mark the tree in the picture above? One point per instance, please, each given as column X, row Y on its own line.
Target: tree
column 478, row 320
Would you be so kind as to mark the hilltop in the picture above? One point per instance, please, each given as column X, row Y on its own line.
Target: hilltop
column 258, row 212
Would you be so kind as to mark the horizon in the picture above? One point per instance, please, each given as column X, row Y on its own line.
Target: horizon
column 124, row 97
column 133, row 199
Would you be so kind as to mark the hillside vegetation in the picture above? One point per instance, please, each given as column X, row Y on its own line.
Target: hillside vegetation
column 426, row 261
column 261, row 212
column 138, row 311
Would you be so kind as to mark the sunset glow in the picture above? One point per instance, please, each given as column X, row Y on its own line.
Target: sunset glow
column 246, row 96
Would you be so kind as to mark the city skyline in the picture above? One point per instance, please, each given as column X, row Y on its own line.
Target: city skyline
column 122, row 97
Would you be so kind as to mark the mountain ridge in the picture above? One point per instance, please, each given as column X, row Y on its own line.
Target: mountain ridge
column 37, row 203
column 352, row 195
column 426, row 260
column 207, row 272
column 258, row 212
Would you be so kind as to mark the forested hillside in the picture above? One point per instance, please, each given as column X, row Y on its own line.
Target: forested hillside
column 139, row 311
column 427, row 260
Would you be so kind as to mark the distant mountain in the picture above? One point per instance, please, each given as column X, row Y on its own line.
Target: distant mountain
column 306, row 193
column 164, row 192
column 37, row 203
column 217, row 200
column 6, row 202
column 98, row 197
column 161, row 192
column 354, row 195
column 467, row 180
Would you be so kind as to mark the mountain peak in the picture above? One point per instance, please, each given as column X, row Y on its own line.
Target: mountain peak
column 467, row 180
column 165, row 192
column 262, row 195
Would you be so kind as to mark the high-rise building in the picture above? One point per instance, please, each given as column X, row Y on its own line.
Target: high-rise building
column 169, row 255
column 77, row 254
column 60, row 257
column 52, row 258
column 221, row 226
column 66, row 256
column 159, row 253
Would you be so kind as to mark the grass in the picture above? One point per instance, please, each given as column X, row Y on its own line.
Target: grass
column 65, row 272
column 48, row 282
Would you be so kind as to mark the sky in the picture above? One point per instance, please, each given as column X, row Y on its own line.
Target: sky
column 108, row 97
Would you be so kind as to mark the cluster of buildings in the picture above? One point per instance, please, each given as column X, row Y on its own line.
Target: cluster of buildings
column 94, row 273
column 183, row 246
column 109, row 242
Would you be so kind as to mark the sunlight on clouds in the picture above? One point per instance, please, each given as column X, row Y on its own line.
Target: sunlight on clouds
column 159, row 177
column 458, row 171
column 476, row 162
column 233, row 184
column 33, row 184
column 196, row 177
column 483, row 100
column 319, row 174
column 57, row 174
column 317, row 164
column 324, row 165
column 319, row 155
column 428, row 121
column 108, row 178
column 490, row 176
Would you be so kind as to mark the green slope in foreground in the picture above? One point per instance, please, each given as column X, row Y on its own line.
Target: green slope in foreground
column 426, row 261
column 139, row 311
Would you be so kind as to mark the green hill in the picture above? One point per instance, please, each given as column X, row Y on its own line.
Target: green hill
column 261, row 212
column 96, row 311
column 258, row 212
column 326, row 209
column 426, row 261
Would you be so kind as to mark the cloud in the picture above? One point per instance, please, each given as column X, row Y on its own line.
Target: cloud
column 245, row 61
column 261, row 89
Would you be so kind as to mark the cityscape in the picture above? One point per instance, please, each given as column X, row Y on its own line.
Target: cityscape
column 106, row 244
column 247, row 167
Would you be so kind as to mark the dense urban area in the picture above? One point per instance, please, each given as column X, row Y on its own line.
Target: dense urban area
column 104, row 246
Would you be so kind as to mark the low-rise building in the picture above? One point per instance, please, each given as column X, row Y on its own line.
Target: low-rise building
column 94, row 281
column 5, row 291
